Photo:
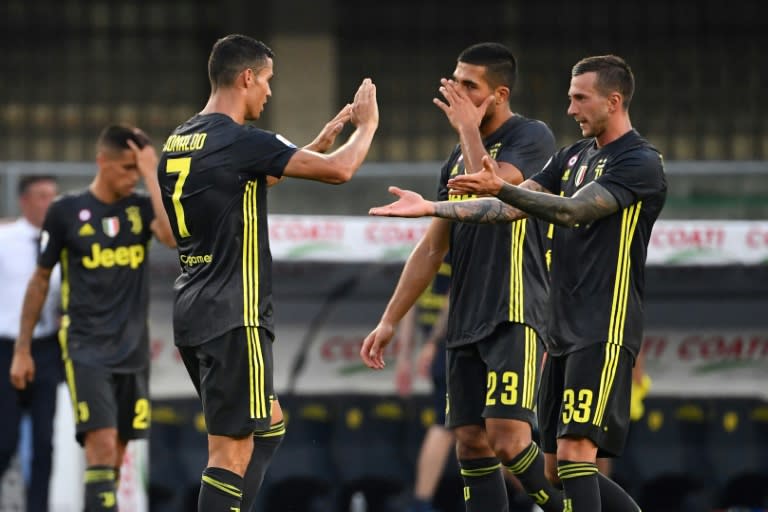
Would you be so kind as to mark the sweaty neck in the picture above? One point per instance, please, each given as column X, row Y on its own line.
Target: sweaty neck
column 614, row 131
column 227, row 102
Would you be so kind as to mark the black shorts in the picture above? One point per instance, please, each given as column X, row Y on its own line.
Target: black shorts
column 495, row 377
column 233, row 378
column 104, row 399
column 586, row 394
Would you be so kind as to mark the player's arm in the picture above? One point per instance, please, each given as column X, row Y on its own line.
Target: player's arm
column 340, row 165
column 475, row 211
column 23, row 366
column 330, row 131
column 465, row 118
column 589, row 204
column 419, row 270
column 324, row 139
column 146, row 160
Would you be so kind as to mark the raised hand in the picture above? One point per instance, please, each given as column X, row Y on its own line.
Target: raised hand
column 146, row 157
column 331, row 130
column 458, row 107
column 365, row 109
column 409, row 204
column 484, row 182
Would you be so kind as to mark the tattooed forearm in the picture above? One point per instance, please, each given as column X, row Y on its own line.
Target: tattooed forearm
column 478, row 211
column 590, row 203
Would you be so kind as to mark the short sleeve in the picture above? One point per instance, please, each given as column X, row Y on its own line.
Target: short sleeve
column 52, row 236
column 530, row 158
column 259, row 152
column 634, row 176
column 551, row 175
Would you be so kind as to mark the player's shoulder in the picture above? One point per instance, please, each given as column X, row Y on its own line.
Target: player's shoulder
column 572, row 151
column 639, row 150
column 71, row 200
column 534, row 126
column 256, row 134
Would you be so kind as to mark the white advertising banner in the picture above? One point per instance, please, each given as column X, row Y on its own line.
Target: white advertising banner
column 355, row 239
column 708, row 363
column 343, row 239
column 708, row 242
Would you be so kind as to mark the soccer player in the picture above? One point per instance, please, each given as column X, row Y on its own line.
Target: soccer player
column 604, row 194
column 498, row 289
column 101, row 237
column 214, row 172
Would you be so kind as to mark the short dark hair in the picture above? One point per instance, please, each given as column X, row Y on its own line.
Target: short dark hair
column 613, row 74
column 232, row 54
column 501, row 66
column 116, row 137
column 25, row 182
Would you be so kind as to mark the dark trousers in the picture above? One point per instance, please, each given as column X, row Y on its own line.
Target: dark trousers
column 39, row 401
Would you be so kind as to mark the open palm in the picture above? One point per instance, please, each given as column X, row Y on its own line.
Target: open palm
column 408, row 204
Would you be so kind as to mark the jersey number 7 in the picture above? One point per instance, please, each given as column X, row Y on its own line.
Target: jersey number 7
column 182, row 167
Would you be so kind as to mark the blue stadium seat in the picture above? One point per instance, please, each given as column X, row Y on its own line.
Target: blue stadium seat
column 369, row 451
column 666, row 455
column 745, row 491
column 653, row 446
column 735, row 444
column 739, row 448
column 178, row 453
column 420, row 414
column 304, row 459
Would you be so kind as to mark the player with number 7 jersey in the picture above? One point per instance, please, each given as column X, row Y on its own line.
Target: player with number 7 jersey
column 213, row 173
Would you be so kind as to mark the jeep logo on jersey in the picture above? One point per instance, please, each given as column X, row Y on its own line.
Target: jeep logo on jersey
column 111, row 226
column 122, row 256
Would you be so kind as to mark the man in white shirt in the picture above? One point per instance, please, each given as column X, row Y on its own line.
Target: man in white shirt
column 19, row 243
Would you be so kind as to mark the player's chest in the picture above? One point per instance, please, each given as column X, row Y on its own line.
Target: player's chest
column 581, row 170
column 100, row 238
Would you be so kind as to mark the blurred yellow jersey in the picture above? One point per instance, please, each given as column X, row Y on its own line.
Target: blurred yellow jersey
column 639, row 392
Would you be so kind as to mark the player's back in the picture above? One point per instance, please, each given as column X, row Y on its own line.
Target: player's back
column 212, row 174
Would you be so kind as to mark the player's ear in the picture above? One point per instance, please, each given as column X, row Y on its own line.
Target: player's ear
column 245, row 78
column 615, row 101
column 501, row 94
